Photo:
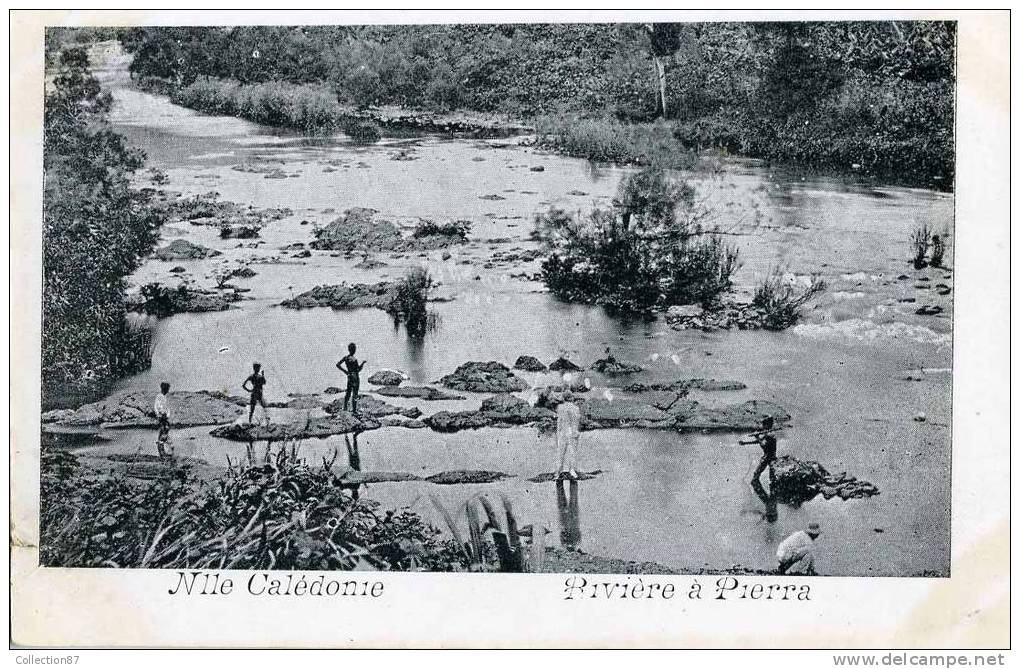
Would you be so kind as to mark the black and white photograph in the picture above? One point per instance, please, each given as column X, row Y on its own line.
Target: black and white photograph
column 646, row 298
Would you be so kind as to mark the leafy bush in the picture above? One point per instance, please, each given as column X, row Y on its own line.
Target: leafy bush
column 649, row 250
column 409, row 303
column 781, row 299
column 278, row 514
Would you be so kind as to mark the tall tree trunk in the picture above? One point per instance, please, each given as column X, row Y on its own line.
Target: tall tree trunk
column 660, row 70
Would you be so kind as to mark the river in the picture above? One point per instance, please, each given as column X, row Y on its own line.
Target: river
column 681, row 500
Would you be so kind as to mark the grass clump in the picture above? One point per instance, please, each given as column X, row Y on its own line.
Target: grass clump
column 781, row 300
column 649, row 250
column 920, row 240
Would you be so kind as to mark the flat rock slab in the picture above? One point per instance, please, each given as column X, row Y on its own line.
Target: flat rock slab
column 797, row 481
column 418, row 392
column 621, row 412
column 359, row 478
column 684, row 385
column 484, row 377
column 734, row 418
column 341, row 423
column 396, row 421
column 550, row 477
column 375, row 408
column 134, row 409
column 467, row 476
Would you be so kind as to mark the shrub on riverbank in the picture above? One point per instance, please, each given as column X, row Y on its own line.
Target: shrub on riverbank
column 96, row 230
column 649, row 250
column 277, row 514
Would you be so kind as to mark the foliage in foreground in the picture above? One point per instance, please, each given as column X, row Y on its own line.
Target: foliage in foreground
column 278, row 514
column 96, row 230
column 649, row 250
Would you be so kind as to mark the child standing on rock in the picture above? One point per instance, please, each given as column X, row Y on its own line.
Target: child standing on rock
column 767, row 440
column 254, row 384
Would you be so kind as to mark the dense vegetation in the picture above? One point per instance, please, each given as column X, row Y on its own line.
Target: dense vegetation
column 649, row 250
column 96, row 229
column 875, row 98
column 278, row 514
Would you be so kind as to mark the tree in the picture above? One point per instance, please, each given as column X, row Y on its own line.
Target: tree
column 665, row 40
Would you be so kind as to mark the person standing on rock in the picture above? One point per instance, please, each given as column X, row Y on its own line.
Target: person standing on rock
column 352, row 368
column 161, row 408
column 796, row 554
column 254, row 385
column 767, row 440
column 568, row 433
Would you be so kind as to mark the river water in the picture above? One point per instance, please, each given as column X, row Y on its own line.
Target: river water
column 681, row 500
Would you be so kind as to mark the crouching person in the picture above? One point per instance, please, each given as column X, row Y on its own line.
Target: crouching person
column 796, row 554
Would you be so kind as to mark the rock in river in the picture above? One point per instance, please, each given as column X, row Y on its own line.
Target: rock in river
column 798, row 481
column 466, row 476
column 182, row 249
column 484, row 377
column 529, row 363
column 563, row 365
column 134, row 409
column 386, row 377
column 611, row 366
column 734, row 418
column 370, row 406
column 502, row 410
column 419, row 392
column 339, row 423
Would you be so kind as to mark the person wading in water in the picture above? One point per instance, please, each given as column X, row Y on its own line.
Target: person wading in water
column 254, row 384
column 767, row 440
column 352, row 368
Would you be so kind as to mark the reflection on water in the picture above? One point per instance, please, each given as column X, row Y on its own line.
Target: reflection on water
column 569, row 514
column 768, row 499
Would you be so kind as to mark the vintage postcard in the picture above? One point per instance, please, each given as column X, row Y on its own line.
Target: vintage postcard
column 510, row 329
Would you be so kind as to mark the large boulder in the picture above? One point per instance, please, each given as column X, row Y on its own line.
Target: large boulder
column 484, row 377
column 797, row 481
column 182, row 249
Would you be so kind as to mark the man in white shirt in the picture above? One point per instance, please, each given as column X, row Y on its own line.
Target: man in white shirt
column 568, row 432
column 796, row 554
column 161, row 408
